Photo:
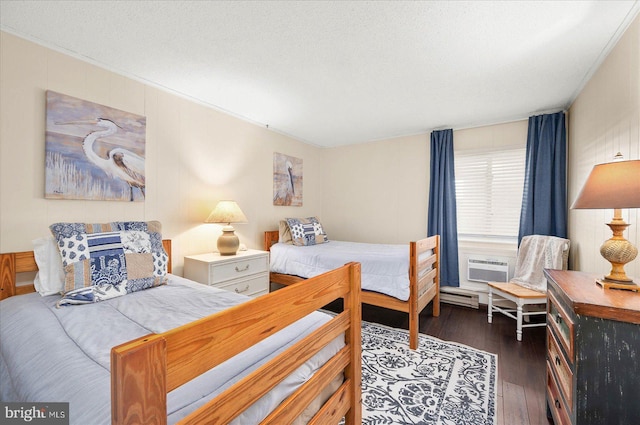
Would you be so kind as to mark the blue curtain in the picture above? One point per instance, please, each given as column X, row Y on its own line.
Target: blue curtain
column 442, row 205
column 544, row 200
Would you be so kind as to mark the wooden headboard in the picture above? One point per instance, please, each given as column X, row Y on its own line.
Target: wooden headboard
column 13, row 263
column 270, row 237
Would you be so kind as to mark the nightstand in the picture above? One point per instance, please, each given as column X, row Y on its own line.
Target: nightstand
column 247, row 272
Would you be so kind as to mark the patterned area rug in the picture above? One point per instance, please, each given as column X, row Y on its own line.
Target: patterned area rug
column 440, row 383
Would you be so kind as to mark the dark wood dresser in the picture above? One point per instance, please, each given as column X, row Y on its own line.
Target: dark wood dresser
column 593, row 351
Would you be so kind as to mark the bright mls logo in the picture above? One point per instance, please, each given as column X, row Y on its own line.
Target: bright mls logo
column 34, row 413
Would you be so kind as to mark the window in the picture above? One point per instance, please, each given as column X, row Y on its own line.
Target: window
column 489, row 188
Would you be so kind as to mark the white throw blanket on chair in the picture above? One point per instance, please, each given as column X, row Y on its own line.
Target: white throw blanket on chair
column 536, row 253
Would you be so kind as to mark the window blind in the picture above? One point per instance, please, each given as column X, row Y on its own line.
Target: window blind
column 489, row 188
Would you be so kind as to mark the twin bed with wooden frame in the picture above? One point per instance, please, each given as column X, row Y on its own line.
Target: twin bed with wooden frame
column 424, row 281
column 145, row 369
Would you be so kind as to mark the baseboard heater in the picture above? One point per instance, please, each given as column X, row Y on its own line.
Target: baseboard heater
column 457, row 296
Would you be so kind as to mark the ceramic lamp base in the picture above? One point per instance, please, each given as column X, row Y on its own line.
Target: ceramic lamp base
column 618, row 251
column 228, row 242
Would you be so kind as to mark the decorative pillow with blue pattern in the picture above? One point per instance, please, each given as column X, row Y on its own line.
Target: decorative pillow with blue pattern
column 107, row 260
column 306, row 231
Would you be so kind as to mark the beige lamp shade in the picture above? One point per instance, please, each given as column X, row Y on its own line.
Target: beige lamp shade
column 614, row 185
column 611, row 186
column 227, row 212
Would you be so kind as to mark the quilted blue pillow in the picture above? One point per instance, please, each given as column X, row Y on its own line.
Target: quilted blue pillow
column 306, row 231
column 107, row 260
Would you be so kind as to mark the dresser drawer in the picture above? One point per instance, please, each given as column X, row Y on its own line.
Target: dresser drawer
column 561, row 369
column 561, row 324
column 238, row 269
column 254, row 285
column 555, row 402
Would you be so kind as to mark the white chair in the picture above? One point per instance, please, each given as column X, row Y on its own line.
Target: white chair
column 528, row 285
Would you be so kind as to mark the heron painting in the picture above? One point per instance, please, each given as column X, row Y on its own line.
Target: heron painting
column 93, row 152
column 287, row 180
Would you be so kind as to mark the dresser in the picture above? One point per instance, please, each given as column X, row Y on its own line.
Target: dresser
column 593, row 351
column 247, row 272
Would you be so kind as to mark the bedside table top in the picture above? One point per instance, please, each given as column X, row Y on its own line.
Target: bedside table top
column 585, row 297
column 215, row 256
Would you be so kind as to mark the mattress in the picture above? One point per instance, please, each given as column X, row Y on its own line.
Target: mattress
column 51, row 354
column 385, row 267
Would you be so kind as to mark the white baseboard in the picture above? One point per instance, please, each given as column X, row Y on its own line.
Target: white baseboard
column 479, row 289
column 459, row 296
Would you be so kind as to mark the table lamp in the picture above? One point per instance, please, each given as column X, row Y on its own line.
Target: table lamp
column 614, row 185
column 227, row 212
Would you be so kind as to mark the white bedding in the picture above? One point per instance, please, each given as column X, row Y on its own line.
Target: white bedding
column 51, row 354
column 385, row 268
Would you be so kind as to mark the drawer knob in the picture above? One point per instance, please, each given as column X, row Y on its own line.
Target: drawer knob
column 239, row 291
column 558, row 318
column 558, row 360
column 557, row 403
column 243, row 269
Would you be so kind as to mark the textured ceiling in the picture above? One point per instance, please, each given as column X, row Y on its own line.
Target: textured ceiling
column 335, row 73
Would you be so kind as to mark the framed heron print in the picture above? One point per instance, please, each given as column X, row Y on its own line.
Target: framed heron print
column 287, row 180
column 93, row 152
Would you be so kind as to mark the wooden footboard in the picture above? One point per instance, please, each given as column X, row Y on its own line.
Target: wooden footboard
column 140, row 381
column 424, row 281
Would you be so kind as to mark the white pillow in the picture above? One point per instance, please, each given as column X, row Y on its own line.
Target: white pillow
column 50, row 277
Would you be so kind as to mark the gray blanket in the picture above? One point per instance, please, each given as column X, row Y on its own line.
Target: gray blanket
column 50, row 354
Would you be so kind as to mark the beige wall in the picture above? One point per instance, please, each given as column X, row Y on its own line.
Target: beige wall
column 498, row 136
column 195, row 156
column 377, row 192
column 605, row 119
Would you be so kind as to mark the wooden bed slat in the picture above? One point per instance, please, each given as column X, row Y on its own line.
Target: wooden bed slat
column 426, row 281
column 284, row 279
column 381, row 300
column 25, row 262
column 242, row 326
column 427, row 262
column 427, row 244
column 336, row 407
column 245, row 392
column 25, row 289
column 292, row 407
column 426, row 298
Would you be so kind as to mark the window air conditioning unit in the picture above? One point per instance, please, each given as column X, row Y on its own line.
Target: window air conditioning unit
column 487, row 270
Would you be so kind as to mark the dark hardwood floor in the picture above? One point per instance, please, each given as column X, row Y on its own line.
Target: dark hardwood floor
column 521, row 365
